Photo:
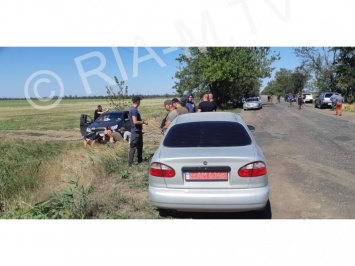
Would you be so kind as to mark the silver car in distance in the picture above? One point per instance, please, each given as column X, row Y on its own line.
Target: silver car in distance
column 208, row 162
column 252, row 103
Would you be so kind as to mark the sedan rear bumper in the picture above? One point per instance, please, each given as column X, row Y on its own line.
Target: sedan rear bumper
column 209, row 200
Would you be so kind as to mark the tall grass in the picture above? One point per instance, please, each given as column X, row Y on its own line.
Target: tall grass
column 59, row 180
column 349, row 107
column 20, row 166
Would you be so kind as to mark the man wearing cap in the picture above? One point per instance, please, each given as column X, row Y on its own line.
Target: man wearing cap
column 168, row 104
column 136, row 131
column 180, row 109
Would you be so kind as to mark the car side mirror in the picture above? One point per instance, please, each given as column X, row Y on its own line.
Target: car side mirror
column 251, row 128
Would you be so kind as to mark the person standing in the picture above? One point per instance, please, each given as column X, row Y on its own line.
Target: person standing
column 300, row 101
column 339, row 104
column 179, row 108
column 289, row 99
column 99, row 112
column 136, row 132
column 190, row 105
column 172, row 114
column 333, row 99
column 205, row 105
column 211, row 99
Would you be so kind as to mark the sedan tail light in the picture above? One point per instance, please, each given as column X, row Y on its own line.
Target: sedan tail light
column 252, row 169
column 161, row 170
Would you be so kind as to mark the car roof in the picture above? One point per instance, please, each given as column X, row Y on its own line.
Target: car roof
column 255, row 98
column 116, row 111
column 208, row 116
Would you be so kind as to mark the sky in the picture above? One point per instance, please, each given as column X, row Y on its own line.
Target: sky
column 87, row 71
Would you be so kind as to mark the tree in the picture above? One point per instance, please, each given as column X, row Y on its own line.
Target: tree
column 319, row 63
column 226, row 72
column 345, row 70
column 287, row 81
column 116, row 95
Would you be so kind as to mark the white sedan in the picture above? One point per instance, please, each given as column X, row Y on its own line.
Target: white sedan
column 252, row 103
column 208, row 162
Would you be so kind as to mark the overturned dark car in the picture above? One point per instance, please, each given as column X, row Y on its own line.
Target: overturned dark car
column 114, row 119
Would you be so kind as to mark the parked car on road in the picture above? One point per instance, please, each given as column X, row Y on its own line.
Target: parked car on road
column 307, row 97
column 252, row 103
column 323, row 100
column 217, row 168
column 114, row 119
column 287, row 96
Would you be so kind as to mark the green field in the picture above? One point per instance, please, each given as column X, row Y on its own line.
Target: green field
column 20, row 115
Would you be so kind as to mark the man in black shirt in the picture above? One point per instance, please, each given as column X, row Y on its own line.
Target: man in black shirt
column 99, row 112
column 211, row 99
column 205, row 105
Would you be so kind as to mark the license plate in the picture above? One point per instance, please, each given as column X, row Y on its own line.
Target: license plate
column 206, row 176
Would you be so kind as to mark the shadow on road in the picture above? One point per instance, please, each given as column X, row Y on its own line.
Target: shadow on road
column 264, row 214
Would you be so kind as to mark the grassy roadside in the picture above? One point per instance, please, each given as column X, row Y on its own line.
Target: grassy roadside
column 67, row 181
column 61, row 179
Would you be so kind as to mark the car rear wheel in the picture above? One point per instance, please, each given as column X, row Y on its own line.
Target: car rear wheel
column 265, row 213
column 166, row 213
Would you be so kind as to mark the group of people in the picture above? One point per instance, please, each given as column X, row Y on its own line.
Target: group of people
column 110, row 136
column 336, row 98
column 134, row 138
column 175, row 107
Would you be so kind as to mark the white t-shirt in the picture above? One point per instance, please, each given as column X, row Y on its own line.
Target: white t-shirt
column 127, row 136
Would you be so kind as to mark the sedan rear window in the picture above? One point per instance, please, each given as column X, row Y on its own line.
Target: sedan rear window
column 328, row 95
column 207, row 134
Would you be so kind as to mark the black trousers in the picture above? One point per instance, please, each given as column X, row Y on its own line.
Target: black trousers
column 136, row 144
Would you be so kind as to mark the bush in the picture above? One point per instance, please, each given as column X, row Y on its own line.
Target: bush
column 71, row 203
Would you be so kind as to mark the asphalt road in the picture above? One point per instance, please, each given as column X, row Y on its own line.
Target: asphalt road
column 310, row 155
